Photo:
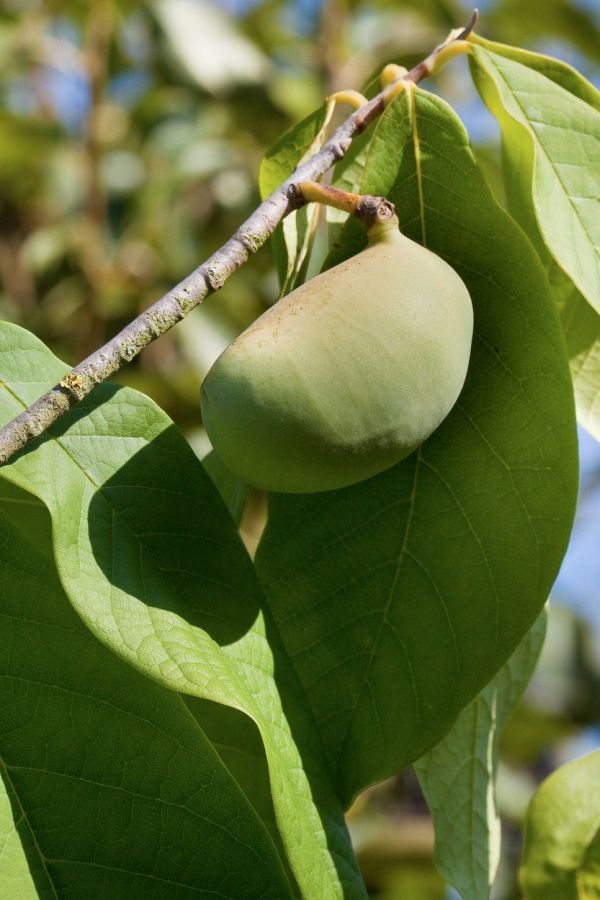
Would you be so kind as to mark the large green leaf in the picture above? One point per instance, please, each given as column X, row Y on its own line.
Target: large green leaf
column 561, row 856
column 151, row 561
column 458, row 776
column 110, row 787
column 531, row 140
column 400, row 597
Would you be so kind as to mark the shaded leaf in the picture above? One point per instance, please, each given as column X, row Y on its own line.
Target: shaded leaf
column 232, row 489
column 458, row 775
column 112, row 788
column 292, row 239
column 151, row 561
column 28, row 514
column 561, row 855
column 396, row 597
column 237, row 740
column 347, row 176
column 347, row 172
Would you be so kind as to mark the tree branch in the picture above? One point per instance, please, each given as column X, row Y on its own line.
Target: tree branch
column 207, row 278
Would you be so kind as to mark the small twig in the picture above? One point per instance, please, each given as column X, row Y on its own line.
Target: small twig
column 464, row 34
column 367, row 209
column 207, row 278
column 302, row 192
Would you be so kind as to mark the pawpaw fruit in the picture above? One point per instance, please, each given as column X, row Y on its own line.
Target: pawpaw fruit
column 346, row 375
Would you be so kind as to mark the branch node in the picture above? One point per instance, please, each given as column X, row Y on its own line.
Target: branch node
column 215, row 277
column 340, row 147
column 250, row 240
column 72, row 383
column 295, row 196
column 374, row 210
column 127, row 351
column 186, row 304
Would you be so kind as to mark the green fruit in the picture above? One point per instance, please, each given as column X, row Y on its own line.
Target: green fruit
column 346, row 375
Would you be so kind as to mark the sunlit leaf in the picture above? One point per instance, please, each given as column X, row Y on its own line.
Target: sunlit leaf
column 561, row 855
column 558, row 71
column 526, row 143
column 458, row 776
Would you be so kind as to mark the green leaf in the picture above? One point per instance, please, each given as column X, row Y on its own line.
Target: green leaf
column 22, row 872
column 556, row 134
column 291, row 148
column 152, row 562
column 581, row 325
column 561, row 855
column 458, row 776
column 400, row 597
column 524, row 155
column 293, row 239
column 28, row 514
column 561, row 73
column 237, row 740
column 111, row 789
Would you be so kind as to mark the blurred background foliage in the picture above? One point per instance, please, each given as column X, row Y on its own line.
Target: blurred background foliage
column 130, row 140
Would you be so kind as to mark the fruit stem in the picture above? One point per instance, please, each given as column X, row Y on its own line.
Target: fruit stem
column 367, row 209
column 313, row 192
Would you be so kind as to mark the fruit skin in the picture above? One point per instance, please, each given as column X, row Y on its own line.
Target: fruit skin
column 346, row 375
